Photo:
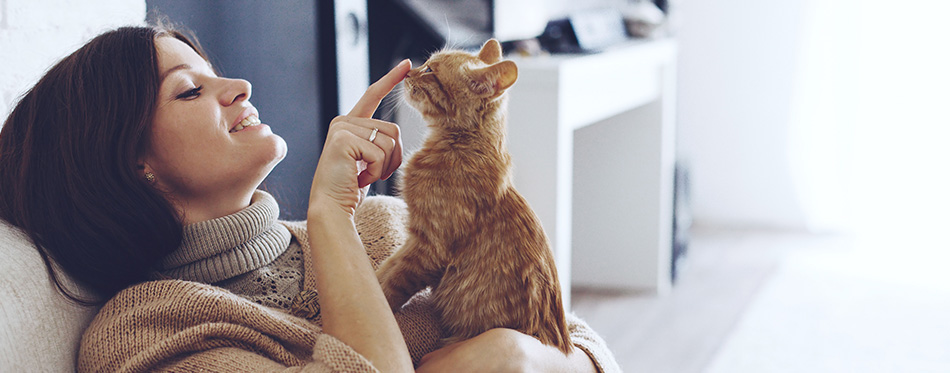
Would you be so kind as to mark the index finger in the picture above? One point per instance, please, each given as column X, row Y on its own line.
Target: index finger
column 367, row 104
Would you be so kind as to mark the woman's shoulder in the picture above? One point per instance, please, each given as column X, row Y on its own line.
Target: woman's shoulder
column 382, row 222
column 374, row 209
column 385, row 207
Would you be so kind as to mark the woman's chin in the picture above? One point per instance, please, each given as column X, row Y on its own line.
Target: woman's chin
column 264, row 158
column 280, row 149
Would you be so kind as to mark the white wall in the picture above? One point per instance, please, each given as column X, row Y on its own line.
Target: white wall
column 817, row 115
column 34, row 34
column 737, row 71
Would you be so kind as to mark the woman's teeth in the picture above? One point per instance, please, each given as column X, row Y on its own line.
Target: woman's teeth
column 247, row 122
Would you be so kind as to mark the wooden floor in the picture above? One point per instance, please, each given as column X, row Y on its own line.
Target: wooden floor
column 681, row 331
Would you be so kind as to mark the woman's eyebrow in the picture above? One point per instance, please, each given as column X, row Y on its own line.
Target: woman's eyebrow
column 168, row 72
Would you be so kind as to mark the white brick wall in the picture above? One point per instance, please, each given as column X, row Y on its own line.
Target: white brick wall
column 35, row 34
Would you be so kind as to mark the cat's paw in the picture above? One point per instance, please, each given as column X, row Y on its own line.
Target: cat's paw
column 450, row 340
column 395, row 300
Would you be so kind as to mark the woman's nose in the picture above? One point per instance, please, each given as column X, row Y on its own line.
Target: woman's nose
column 236, row 90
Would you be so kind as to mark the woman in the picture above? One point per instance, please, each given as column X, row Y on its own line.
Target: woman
column 134, row 167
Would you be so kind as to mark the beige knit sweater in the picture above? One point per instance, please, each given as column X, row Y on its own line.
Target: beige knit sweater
column 176, row 325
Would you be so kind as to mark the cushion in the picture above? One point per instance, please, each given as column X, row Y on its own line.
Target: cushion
column 39, row 327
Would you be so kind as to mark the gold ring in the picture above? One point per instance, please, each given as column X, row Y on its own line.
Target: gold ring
column 372, row 136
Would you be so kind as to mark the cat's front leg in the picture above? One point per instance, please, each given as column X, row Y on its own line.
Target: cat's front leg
column 408, row 271
column 389, row 274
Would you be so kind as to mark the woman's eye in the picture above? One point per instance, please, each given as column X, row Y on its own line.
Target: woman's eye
column 191, row 93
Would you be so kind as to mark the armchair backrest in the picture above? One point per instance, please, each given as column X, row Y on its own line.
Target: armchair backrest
column 39, row 328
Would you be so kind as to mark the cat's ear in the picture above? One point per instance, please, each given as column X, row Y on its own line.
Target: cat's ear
column 491, row 52
column 494, row 79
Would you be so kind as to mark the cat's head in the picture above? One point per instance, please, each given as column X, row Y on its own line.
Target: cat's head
column 455, row 83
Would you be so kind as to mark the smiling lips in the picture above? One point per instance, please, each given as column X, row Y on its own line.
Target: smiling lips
column 250, row 121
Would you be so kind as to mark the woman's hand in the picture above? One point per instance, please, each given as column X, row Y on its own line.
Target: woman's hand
column 504, row 350
column 350, row 162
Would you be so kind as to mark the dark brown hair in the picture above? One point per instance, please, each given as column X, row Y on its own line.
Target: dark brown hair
column 70, row 175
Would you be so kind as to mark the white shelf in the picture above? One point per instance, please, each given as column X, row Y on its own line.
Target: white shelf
column 592, row 139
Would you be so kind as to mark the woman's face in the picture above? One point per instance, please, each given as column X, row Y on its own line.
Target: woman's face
column 208, row 150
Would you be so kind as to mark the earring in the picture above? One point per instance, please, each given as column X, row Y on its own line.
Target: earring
column 150, row 177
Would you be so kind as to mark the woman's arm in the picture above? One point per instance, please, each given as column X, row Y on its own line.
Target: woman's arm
column 352, row 304
column 520, row 352
column 505, row 350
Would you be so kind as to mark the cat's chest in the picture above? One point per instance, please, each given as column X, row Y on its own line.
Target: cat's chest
column 450, row 164
column 445, row 175
column 436, row 172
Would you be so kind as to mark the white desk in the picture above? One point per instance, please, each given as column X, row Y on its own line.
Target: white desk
column 592, row 140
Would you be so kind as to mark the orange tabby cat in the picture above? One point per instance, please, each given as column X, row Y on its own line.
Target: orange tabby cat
column 473, row 237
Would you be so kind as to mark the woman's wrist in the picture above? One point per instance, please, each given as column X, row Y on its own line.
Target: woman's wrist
column 325, row 209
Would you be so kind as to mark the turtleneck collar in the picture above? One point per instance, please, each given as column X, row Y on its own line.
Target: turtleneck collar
column 232, row 245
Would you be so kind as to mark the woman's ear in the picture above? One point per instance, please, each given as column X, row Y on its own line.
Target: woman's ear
column 146, row 172
column 493, row 80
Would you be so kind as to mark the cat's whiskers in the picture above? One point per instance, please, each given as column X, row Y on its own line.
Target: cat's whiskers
column 393, row 101
column 448, row 28
column 394, row 106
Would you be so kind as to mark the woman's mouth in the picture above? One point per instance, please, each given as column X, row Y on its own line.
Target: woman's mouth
column 250, row 121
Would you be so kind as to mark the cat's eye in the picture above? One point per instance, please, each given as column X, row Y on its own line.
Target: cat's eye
column 427, row 70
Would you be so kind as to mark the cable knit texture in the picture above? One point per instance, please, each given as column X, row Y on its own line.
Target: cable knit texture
column 179, row 325
column 221, row 248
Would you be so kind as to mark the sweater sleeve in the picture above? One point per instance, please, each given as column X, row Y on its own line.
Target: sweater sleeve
column 329, row 355
column 590, row 342
column 185, row 326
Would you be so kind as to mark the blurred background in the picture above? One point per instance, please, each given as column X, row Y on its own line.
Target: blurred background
column 808, row 161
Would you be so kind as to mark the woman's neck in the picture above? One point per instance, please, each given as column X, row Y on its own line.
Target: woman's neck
column 195, row 210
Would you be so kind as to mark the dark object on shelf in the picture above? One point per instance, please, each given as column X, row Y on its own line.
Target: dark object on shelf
column 644, row 20
column 584, row 32
column 682, row 218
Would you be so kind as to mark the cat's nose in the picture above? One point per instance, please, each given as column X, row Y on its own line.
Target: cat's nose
column 415, row 72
